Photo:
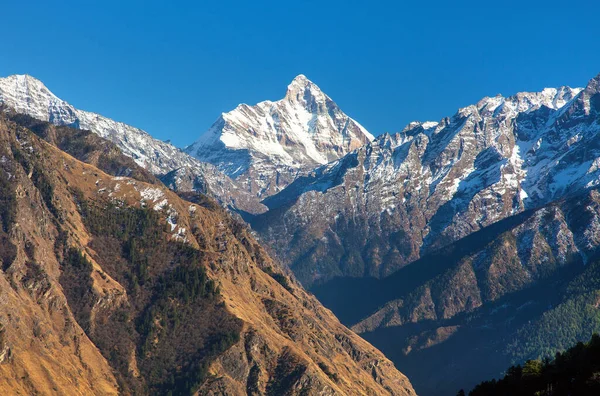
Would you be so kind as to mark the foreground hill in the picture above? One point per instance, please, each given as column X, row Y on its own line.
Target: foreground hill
column 112, row 284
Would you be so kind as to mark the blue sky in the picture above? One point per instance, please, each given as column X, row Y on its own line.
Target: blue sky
column 172, row 67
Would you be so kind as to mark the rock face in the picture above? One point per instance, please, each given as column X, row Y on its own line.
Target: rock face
column 27, row 95
column 393, row 200
column 266, row 146
column 115, row 285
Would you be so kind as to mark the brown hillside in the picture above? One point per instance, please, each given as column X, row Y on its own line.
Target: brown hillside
column 114, row 285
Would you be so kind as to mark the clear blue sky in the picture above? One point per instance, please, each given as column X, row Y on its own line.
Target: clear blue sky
column 172, row 67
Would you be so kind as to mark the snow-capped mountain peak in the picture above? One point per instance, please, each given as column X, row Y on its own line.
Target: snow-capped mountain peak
column 29, row 95
column 268, row 144
column 302, row 90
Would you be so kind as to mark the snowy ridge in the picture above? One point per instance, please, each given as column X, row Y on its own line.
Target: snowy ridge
column 30, row 96
column 272, row 142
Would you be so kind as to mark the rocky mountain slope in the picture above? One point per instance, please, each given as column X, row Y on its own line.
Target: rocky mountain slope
column 27, row 95
column 388, row 203
column 112, row 284
column 266, row 146
column 522, row 288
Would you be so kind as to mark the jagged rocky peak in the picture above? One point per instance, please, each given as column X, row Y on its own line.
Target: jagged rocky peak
column 416, row 127
column 303, row 91
column 593, row 86
column 22, row 85
column 590, row 98
column 497, row 107
column 522, row 102
column 267, row 145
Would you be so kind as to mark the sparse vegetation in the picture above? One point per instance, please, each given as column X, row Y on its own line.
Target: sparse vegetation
column 77, row 284
column 8, row 209
column 289, row 370
column 85, row 146
column 8, row 202
column 325, row 368
column 279, row 278
column 174, row 321
column 8, row 251
column 31, row 165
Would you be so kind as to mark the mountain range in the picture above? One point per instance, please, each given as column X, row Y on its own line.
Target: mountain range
column 403, row 195
column 472, row 233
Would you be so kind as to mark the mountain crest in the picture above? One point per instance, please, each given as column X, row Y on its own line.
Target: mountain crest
column 302, row 82
column 301, row 88
column 26, row 80
column 29, row 95
column 27, row 88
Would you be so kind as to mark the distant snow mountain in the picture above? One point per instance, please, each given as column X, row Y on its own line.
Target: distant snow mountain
column 180, row 171
column 348, row 204
column 403, row 195
column 266, row 146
